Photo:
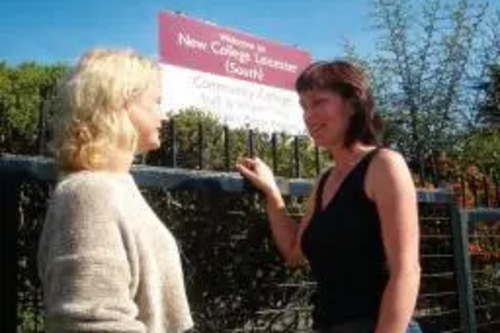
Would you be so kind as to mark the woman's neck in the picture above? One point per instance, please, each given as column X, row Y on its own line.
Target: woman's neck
column 346, row 158
column 120, row 162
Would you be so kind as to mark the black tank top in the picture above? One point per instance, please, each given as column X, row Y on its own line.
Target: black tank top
column 343, row 244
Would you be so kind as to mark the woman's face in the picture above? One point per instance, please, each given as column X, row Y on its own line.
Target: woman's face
column 326, row 115
column 147, row 117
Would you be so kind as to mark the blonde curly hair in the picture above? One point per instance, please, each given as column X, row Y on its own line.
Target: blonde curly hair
column 91, row 121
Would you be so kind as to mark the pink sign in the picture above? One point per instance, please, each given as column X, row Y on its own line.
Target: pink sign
column 209, row 48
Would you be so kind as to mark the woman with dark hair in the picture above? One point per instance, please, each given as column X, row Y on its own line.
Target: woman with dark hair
column 360, row 231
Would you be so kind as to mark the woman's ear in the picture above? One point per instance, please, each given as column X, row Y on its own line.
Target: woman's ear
column 127, row 107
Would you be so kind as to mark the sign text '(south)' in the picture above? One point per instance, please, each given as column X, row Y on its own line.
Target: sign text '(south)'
column 238, row 62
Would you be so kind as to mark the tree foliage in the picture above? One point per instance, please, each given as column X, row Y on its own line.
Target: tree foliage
column 489, row 109
column 430, row 56
column 23, row 90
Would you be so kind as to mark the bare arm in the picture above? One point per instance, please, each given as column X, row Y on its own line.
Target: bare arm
column 391, row 186
column 286, row 232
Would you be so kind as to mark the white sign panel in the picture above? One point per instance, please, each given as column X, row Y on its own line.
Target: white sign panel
column 246, row 82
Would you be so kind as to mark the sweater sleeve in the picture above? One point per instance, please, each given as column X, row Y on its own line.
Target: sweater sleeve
column 84, row 267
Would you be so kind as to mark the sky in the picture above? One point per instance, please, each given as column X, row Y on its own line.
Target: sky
column 48, row 31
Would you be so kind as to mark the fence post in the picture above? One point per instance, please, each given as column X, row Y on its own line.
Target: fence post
column 10, row 185
column 460, row 234
column 172, row 138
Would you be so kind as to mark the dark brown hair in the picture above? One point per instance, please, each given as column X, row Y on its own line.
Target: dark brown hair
column 350, row 82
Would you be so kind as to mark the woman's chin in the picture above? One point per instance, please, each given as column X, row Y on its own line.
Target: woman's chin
column 154, row 145
column 320, row 141
column 150, row 146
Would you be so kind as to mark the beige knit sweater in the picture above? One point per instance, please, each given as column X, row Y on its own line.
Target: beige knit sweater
column 107, row 263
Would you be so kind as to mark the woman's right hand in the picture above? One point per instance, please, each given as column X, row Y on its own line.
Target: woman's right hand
column 259, row 174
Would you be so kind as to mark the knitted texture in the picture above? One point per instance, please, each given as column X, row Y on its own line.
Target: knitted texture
column 107, row 263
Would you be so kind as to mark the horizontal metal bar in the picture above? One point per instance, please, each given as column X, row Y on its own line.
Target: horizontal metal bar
column 434, row 256
column 435, row 236
column 433, row 219
column 285, row 309
column 434, row 196
column 481, row 271
column 454, row 330
column 488, row 324
column 435, row 253
column 441, row 294
column 264, row 328
column 439, row 275
column 487, row 306
column 486, row 236
column 294, row 285
column 42, row 169
column 438, row 314
column 488, row 289
column 482, row 215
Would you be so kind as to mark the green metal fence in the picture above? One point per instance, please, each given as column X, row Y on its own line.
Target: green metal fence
column 236, row 281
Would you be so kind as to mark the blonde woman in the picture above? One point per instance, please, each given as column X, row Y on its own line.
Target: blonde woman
column 106, row 262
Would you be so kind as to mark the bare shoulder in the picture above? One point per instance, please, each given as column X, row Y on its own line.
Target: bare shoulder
column 388, row 158
column 387, row 163
column 387, row 172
